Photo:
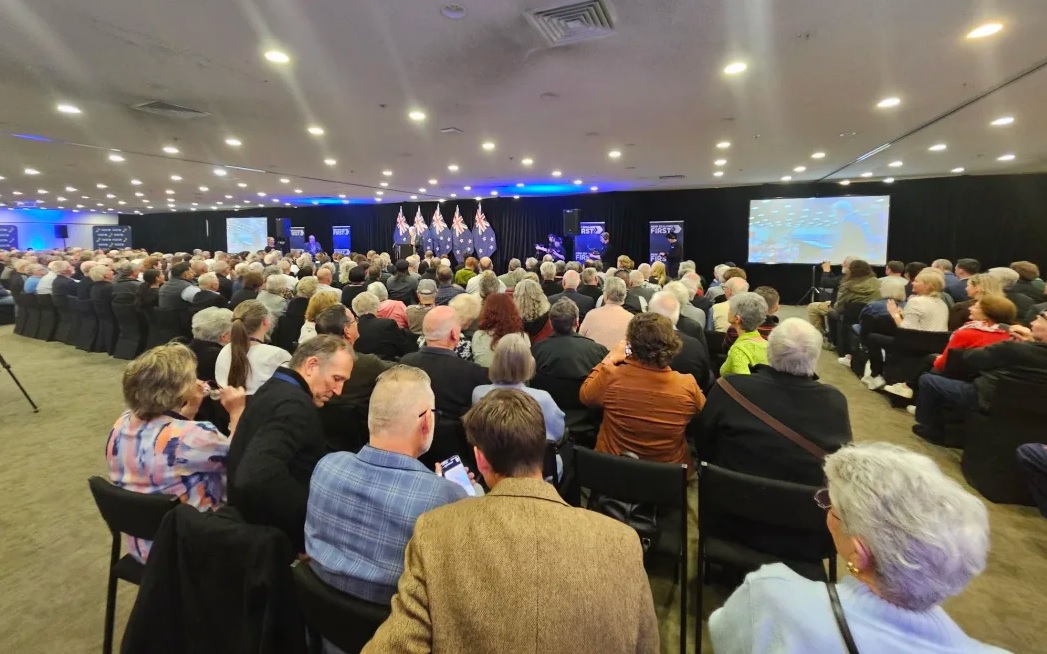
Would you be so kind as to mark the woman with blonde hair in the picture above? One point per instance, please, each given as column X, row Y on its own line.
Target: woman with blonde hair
column 247, row 360
column 317, row 303
column 533, row 306
column 156, row 446
column 978, row 285
column 658, row 274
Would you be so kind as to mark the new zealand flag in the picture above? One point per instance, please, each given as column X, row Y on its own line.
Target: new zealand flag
column 483, row 235
column 440, row 233
column 423, row 230
column 400, row 235
column 461, row 237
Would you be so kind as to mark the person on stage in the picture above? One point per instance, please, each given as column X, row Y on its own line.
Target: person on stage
column 270, row 244
column 312, row 247
column 608, row 253
column 555, row 248
column 672, row 255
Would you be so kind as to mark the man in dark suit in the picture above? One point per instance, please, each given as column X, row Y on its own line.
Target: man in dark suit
column 590, row 287
column 380, row 336
column 453, row 378
column 64, row 283
column 571, row 279
column 208, row 295
column 693, row 358
column 609, row 253
column 83, row 289
column 225, row 285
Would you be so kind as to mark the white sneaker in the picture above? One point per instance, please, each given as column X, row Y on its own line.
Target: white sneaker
column 901, row 390
column 844, row 361
column 911, row 409
column 866, row 379
column 876, row 383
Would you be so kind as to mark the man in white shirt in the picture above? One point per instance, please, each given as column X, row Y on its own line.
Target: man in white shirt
column 473, row 287
column 48, row 280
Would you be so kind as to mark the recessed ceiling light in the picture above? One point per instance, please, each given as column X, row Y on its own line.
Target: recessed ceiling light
column 261, row 194
column 433, row 182
column 888, row 180
column 298, row 190
column 120, row 202
column 886, row 103
column 723, row 145
column 42, row 191
column 958, row 169
column 233, row 142
column 787, row 178
column 453, row 168
column 136, row 182
column 896, row 164
column 720, row 162
column 414, row 197
column 818, row 155
column 557, row 173
column 139, row 194
column 487, row 145
column 70, row 189
column 494, row 192
column 68, row 109
column 718, row 173
column 937, row 147
column 594, row 188
column 241, row 184
column 383, row 184
column 799, row 169
column 735, row 68
column 478, row 198
column 454, row 195
column 379, row 192
column 1005, row 157
column 330, row 162
column 866, row 174
column 16, row 192
column 204, row 189
column 277, row 57
column 577, row 182
column 421, row 190
column 31, row 171
column 378, row 199
column 527, row 161
column 315, row 130
column 228, row 197
column 387, row 173
column 467, row 188
column 116, row 158
column 614, row 154
column 845, row 182
column 220, row 172
column 1002, row 120
column 100, row 185
column 170, row 149
column 982, row 31
column 176, row 178
column 519, row 185
column 416, row 115
column 284, row 180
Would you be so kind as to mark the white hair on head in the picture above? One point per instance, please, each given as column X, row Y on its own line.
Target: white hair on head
column 212, row 323
column 379, row 290
column 275, row 284
column 686, row 267
column 207, row 279
column 1006, row 276
column 365, row 303
column 548, row 270
column 750, row 308
column 614, row 290
column 665, row 303
column 793, row 347
column 892, row 288
column 737, row 285
column 719, row 270
column 928, row 536
column 680, row 291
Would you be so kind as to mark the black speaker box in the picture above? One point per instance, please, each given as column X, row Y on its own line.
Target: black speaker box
column 61, row 231
column 570, row 222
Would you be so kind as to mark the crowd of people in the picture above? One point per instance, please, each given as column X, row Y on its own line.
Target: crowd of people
column 627, row 360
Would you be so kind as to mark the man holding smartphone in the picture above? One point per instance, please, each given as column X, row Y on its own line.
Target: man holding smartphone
column 362, row 507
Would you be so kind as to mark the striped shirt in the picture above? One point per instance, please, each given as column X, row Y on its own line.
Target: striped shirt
column 168, row 455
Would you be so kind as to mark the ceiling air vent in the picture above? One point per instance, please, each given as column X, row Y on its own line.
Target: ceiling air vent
column 573, row 22
column 670, row 177
column 168, row 110
column 450, row 130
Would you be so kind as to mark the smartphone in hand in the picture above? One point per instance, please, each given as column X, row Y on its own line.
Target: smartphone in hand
column 454, row 471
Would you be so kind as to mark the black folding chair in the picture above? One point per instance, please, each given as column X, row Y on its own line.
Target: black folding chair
column 584, row 422
column 164, row 325
column 87, row 333
column 22, row 313
column 780, row 508
column 45, row 329
column 130, row 340
column 134, row 514
column 645, row 482
column 32, row 309
column 345, row 621
column 345, row 426
column 68, row 319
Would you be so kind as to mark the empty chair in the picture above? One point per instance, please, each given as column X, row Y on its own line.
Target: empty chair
column 786, row 511
column 68, row 319
column 87, row 332
column 130, row 340
column 32, row 310
column 343, row 620
column 634, row 481
column 45, row 331
column 134, row 514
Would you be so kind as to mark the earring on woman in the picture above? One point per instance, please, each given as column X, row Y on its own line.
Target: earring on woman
column 852, row 568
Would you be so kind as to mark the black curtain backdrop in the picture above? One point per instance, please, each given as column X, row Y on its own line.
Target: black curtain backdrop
column 995, row 219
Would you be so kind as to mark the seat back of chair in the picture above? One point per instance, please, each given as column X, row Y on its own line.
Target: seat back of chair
column 631, row 480
column 345, row 621
column 1019, row 398
column 724, row 494
column 715, row 342
column 170, row 323
column 127, row 317
column 345, row 427
column 851, row 311
column 128, row 512
column 916, row 342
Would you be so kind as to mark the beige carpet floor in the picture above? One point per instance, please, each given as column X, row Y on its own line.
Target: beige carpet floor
column 54, row 547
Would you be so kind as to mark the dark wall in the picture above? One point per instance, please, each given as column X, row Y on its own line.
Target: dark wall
column 995, row 219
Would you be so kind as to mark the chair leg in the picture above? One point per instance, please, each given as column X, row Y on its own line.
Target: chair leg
column 110, row 598
column 698, row 600
column 832, row 568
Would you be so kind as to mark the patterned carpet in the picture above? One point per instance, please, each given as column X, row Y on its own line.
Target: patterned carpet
column 54, row 547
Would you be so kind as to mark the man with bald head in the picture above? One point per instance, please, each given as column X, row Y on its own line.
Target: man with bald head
column 571, row 280
column 473, row 286
column 453, row 378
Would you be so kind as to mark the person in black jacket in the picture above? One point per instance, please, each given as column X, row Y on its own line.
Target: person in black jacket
column 609, row 253
column 817, row 311
column 571, row 280
column 126, row 281
column 83, row 288
column 147, row 295
column 453, row 378
column 252, row 281
column 693, row 358
column 225, row 285
column 380, row 336
column 356, row 285
column 208, row 295
column 280, row 437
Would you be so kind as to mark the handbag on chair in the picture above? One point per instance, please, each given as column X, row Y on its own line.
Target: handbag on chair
column 643, row 518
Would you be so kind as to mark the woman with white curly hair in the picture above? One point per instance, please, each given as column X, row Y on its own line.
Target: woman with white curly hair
column 911, row 538
column 533, row 305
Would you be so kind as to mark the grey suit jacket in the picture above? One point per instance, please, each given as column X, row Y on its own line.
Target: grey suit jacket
column 519, row 571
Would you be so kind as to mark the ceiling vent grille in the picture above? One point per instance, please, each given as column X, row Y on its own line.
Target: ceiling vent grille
column 670, row 177
column 168, row 110
column 574, row 22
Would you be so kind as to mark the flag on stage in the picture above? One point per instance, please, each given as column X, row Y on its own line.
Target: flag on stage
column 461, row 237
column 440, row 234
column 422, row 230
column 400, row 233
column 483, row 235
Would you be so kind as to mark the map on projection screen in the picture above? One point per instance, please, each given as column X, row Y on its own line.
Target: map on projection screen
column 812, row 230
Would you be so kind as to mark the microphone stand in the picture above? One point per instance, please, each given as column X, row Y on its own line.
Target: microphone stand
column 813, row 291
column 7, row 367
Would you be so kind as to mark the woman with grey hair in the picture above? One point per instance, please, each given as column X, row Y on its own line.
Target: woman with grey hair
column 274, row 297
column 211, row 329
column 746, row 312
column 607, row 323
column 911, row 538
column 533, row 305
column 392, row 309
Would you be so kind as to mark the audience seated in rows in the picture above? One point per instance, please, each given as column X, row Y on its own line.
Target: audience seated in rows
column 650, row 423
column 486, row 265
column 157, row 447
column 566, row 354
column 321, row 300
column 274, row 297
column 773, row 300
column 911, row 538
column 1029, row 282
column 520, row 542
column 746, row 312
column 337, row 320
column 571, row 280
column 498, row 318
column 533, row 306
column 718, row 318
column 247, row 360
column 426, row 294
column 693, row 357
column 956, row 286
column 281, row 439
column 977, row 286
column 178, row 291
column 607, row 323
column 212, row 329
column 401, row 286
column 990, row 320
column 251, row 284
column 208, row 295
column 446, row 288
column 379, row 336
column 1008, row 278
